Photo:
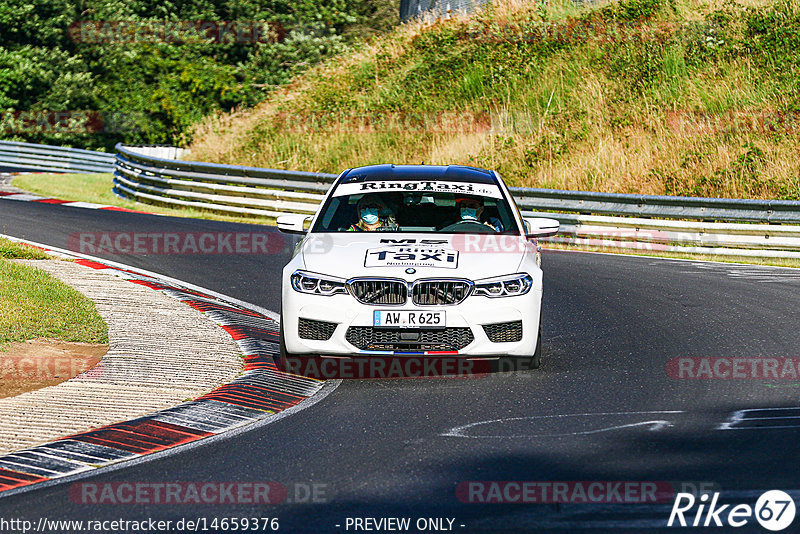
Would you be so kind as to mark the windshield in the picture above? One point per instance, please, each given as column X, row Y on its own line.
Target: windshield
column 417, row 206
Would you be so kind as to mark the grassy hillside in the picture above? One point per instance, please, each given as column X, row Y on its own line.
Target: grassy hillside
column 680, row 97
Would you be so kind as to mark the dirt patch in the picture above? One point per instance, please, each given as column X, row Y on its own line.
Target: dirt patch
column 39, row 363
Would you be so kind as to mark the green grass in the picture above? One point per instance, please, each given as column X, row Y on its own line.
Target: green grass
column 21, row 251
column 96, row 188
column 34, row 304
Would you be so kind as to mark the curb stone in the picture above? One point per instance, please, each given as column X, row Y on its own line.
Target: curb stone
column 260, row 391
column 161, row 352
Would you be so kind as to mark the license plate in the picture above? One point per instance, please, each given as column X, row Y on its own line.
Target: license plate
column 408, row 319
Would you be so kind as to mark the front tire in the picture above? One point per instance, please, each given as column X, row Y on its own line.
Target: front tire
column 290, row 362
column 536, row 359
column 524, row 363
column 282, row 342
column 282, row 349
column 284, row 363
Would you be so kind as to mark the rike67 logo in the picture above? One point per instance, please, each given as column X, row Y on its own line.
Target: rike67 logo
column 774, row 510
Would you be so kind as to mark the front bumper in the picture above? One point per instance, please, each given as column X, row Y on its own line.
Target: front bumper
column 472, row 314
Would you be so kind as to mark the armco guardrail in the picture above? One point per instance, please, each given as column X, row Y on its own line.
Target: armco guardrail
column 223, row 188
column 46, row 158
column 692, row 237
column 765, row 228
column 663, row 207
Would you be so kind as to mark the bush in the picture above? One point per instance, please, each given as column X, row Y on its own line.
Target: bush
column 151, row 90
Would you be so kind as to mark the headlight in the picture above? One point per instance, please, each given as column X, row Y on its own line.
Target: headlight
column 504, row 286
column 317, row 284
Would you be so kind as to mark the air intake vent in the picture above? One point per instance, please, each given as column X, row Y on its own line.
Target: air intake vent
column 504, row 332
column 317, row 330
column 440, row 292
column 369, row 291
column 369, row 338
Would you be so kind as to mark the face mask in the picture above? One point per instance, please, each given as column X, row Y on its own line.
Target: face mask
column 469, row 213
column 369, row 215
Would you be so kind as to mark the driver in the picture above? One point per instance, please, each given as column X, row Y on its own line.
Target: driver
column 471, row 209
column 373, row 214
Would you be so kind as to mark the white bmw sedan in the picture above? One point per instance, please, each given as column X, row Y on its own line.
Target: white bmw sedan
column 415, row 260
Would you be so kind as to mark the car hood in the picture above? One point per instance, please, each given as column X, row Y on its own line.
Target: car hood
column 352, row 254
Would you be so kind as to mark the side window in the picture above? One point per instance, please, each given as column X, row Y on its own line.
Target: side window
column 333, row 208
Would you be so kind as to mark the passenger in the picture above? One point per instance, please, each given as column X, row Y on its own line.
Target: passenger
column 373, row 215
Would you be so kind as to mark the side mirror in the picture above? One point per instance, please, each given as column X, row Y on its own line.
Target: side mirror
column 540, row 227
column 293, row 223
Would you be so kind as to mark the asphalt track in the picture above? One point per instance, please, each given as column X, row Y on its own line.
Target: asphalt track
column 601, row 408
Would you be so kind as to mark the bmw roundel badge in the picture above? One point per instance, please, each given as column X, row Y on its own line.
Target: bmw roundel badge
column 410, row 270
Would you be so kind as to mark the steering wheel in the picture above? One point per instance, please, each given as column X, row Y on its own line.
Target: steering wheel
column 469, row 226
